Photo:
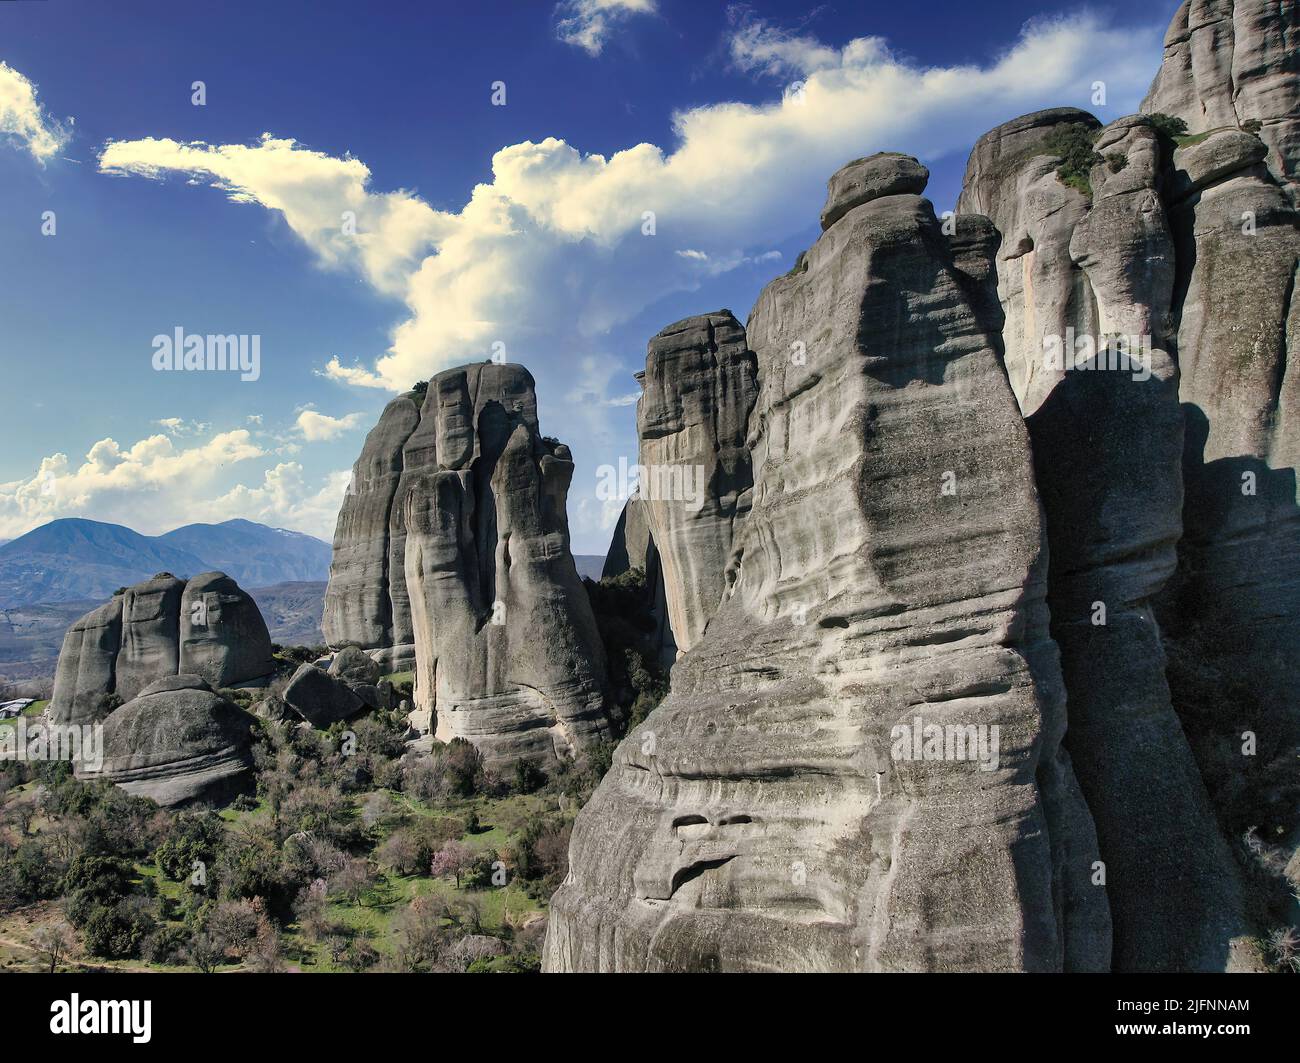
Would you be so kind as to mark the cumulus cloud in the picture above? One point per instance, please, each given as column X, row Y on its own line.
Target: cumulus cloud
column 561, row 246
column 155, row 485
column 286, row 498
column 588, row 24
column 319, row 427
column 113, row 481
column 24, row 120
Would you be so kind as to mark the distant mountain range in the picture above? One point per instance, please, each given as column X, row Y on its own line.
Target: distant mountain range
column 78, row 560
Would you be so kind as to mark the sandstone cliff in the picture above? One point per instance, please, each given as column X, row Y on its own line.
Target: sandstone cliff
column 890, row 576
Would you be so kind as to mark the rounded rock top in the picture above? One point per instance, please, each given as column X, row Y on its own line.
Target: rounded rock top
column 887, row 173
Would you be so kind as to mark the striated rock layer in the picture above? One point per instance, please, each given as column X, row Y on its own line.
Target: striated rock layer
column 698, row 387
column 890, row 577
column 176, row 742
column 507, row 652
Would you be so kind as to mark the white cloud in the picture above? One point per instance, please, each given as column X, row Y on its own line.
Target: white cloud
column 553, row 252
column 319, row 427
column 759, row 47
column 588, row 24
column 24, row 119
column 553, row 248
column 285, row 499
column 114, row 482
column 156, row 485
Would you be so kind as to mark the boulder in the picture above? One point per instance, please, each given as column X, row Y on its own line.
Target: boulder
column 353, row 665
column 176, row 743
column 319, row 698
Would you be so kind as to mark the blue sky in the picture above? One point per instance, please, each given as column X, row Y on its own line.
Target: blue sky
column 225, row 218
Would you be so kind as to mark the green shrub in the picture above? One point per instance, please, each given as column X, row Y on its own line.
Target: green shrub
column 1168, row 127
column 1072, row 143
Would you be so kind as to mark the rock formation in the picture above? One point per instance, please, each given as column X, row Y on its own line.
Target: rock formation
column 1086, row 280
column 206, row 627
column 1232, row 614
column 889, row 578
column 1232, row 62
column 697, row 391
column 632, row 546
column 175, row 742
column 507, row 653
column 358, row 601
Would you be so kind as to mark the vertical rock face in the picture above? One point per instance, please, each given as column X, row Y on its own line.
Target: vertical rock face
column 207, row 628
column 633, row 546
column 1232, row 615
column 1011, row 179
column 151, row 620
column 699, row 386
column 1228, row 62
column 890, row 577
column 86, row 673
column 223, row 637
column 358, row 606
column 507, row 652
column 1106, row 427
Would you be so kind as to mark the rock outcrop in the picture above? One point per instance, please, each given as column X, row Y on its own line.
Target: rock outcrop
column 358, row 600
column 632, row 546
column 890, row 577
column 1231, row 617
column 507, row 652
column 176, row 742
column 162, row 627
column 698, row 388
column 1232, row 62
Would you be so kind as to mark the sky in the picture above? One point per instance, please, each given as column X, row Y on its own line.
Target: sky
column 379, row 191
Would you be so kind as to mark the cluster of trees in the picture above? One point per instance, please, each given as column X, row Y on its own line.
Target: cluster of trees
column 335, row 816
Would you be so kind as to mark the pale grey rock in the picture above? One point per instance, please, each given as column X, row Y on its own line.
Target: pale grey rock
column 358, row 608
column 887, row 173
column 1232, row 615
column 321, row 699
column 178, row 742
column 698, row 388
column 222, row 634
column 633, row 547
column 154, row 630
column 762, row 817
column 1229, row 62
column 507, row 653
column 353, row 666
column 151, row 618
column 1011, row 179
column 85, row 676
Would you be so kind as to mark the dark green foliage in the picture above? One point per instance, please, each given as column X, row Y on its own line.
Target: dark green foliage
column 420, row 387
column 28, row 874
column 1168, row 127
column 114, row 917
column 622, row 605
column 195, row 837
column 1072, row 143
column 524, row 963
column 1116, row 161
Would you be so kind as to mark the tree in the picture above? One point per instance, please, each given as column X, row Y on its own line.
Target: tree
column 454, row 858
column 54, row 941
column 352, row 879
column 203, row 952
